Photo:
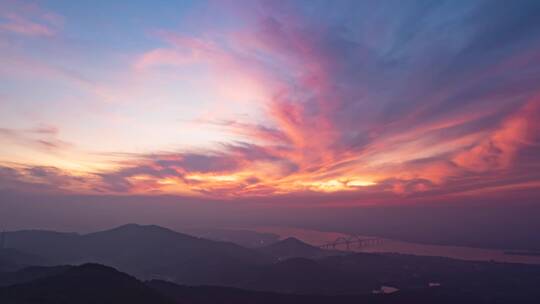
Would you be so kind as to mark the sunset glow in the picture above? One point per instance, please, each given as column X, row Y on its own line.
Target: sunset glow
column 270, row 100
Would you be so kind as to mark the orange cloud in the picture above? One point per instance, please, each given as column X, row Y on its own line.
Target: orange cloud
column 334, row 118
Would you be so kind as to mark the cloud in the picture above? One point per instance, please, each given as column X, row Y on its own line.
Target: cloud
column 357, row 100
column 410, row 103
column 232, row 170
column 499, row 150
column 39, row 179
column 159, row 57
column 27, row 19
column 42, row 137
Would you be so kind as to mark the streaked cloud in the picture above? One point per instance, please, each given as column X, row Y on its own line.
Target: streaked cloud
column 41, row 137
column 28, row 19
column 348, row 101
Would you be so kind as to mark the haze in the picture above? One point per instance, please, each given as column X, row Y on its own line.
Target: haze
column 414, row 120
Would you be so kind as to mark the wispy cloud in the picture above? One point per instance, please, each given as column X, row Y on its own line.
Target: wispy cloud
column 357, row 101
column 42, row 137
column 28, row 19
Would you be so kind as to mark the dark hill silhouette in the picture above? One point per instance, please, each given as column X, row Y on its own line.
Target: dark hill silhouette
column 295, row 248
column 304, row 276
column 227, row 295
column 93, row 283
column 152, row 252
column 89, row 283
column 146, row 251
column 364, row 272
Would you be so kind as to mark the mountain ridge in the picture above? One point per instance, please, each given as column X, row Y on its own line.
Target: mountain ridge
column 142, row 250
column 292, row 247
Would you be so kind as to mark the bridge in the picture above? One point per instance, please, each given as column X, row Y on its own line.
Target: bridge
column 351, row 241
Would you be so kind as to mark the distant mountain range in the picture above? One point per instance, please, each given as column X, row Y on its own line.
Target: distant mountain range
column 12, row 259
column 242, row 237
column 287, row 266
column 146, row 251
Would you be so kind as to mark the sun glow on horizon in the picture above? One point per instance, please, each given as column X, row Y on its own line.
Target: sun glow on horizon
column 266, row 101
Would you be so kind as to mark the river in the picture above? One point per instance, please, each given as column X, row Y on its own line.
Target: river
column 317, row 238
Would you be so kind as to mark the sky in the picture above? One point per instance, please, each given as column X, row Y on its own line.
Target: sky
column 282, row 103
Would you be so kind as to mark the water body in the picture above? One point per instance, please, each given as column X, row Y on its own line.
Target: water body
column 385, row 290
column 317, row 238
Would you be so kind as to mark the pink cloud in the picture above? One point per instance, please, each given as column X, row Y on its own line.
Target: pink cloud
column 162, row 57
column 326, row 125
column 305, row 104
column 499, row 150
column 19, row 25
column 28, row 19
column 42, row 137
